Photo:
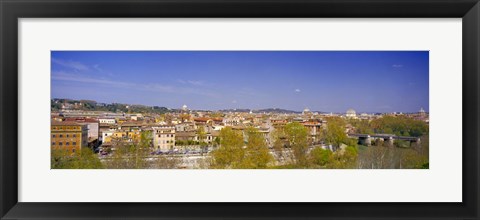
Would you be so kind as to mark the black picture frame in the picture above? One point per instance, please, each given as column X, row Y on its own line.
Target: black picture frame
column 12, row 10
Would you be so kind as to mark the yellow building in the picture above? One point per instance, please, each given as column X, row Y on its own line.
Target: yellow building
column 164, row 138
column 127, row 136
column 68, row 136
column 114, row 135
column 134, row 135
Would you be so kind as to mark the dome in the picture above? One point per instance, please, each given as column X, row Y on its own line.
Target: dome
column 306, row 110
column 351, row 113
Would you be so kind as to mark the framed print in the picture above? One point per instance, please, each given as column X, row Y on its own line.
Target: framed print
column 227, row 109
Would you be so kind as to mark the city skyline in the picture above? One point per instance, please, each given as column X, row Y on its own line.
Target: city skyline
column 327, row 81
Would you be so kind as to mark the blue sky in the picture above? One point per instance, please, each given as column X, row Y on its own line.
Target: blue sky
column 330, row 81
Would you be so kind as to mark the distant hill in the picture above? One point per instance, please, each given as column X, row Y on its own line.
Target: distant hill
column 267, row 110
column 90, row 105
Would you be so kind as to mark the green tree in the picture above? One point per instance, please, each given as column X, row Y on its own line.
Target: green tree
column 321, row 158
column 361, row 126
column 279, row 142
column 87, row 159
column 120, row 156
column 142, row 149
column 297, row 136
column 60, row 159
column 130, row 155
column 399, row 125
column 335, row 132
column 345, row 159
column 230, row 153
column 257, row 153
column 201, row 137
column 84, row 159
column 216, row 141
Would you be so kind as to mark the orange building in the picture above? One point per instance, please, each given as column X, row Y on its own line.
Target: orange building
column 68, row 136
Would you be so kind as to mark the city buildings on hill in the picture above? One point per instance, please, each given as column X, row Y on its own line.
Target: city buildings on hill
column 187, row 129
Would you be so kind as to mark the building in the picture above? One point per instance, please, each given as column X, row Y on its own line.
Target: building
column 306, row 111
column 202, row 121
column 232, row 120
column 107, row 120
column 106, row 136
column 266, row 134
column 314, row 129
column 186, row 136
column 68, row 136
column 136, row 117
column 351, row 113
column 164, row 138
column 422, row 112
column 92, row 126
column 185, row 127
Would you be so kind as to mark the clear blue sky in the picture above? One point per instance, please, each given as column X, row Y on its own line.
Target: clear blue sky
column 330, row 81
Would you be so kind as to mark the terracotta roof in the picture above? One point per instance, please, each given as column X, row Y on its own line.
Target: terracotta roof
column 201, row 119
column 132, row 124
column 217, row 119
column 82, row 119
column 64, row 123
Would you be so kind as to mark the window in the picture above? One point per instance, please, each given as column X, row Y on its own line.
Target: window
column 53, row 136
column 67, row 143
column 74, row 135
column 53, row 143
column 67, row 135
column 60, row 143
column 73, row 150
column 74, row 143
column 60, row 135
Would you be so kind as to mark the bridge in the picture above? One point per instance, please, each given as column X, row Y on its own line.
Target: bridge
column 366, row 139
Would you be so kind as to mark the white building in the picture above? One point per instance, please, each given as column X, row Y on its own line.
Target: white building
column 351, row 113
column 164, row 138
column 136, row 117
column 232, row 121
column 106, row 120
column 422, row 112
column 306, row 111
column 105, row 134
column 217, row 127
